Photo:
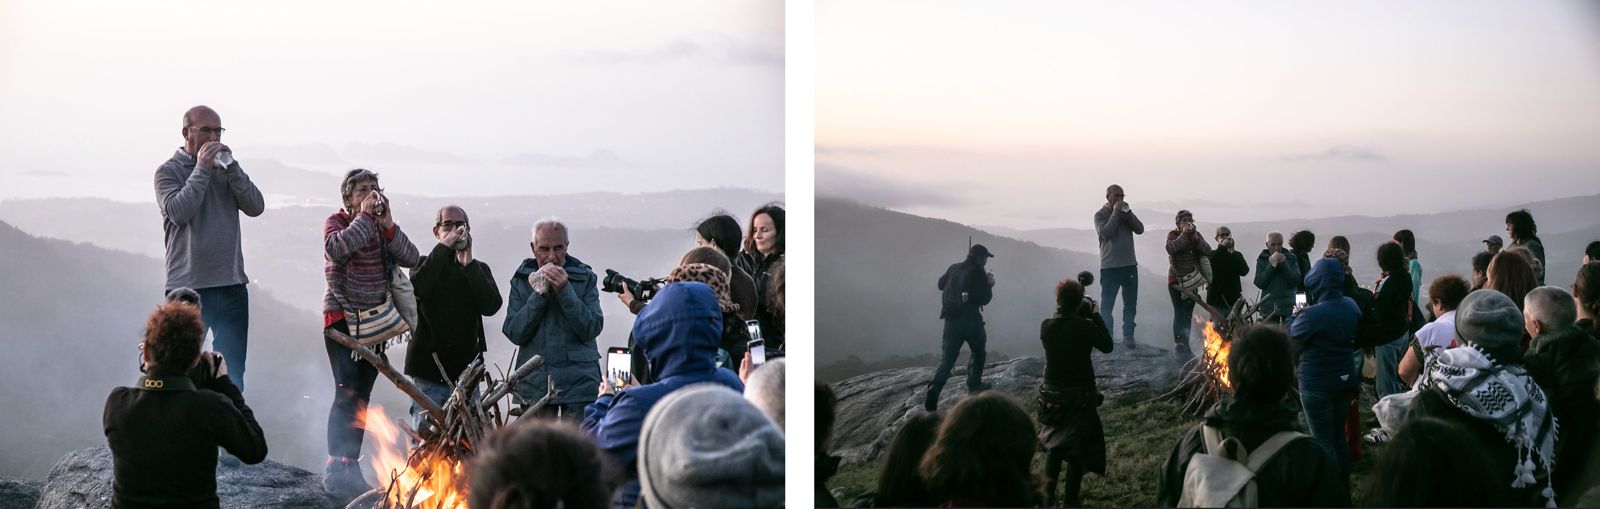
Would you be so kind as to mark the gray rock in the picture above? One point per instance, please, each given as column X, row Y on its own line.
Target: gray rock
column 873, row 407
column 16, row 494
column 83, row 479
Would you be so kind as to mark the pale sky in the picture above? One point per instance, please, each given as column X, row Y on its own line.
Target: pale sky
column 639, row 96
column 1020, row 113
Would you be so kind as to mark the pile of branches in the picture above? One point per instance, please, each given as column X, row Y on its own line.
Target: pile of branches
column 450, row 431
column 1200, row 382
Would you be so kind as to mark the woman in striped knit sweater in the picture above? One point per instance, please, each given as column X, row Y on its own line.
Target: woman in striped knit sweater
column 357, row 241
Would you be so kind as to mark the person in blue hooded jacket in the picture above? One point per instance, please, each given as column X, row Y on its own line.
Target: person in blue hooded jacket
column 1324, row 337
column 678, row 332
column 555, row 313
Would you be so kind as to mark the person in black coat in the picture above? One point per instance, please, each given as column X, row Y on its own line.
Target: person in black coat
column 1300, row 245
column 1069, row 424
column 454, row 293
column 1227, row 267
column 966, row 289
column 1262, row 372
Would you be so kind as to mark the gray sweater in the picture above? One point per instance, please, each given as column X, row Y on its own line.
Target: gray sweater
column 1116, row 230
column 200, row 214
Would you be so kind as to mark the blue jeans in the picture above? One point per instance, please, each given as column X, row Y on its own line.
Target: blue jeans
column 353, row 379
column 1388, row 361
column 1325, row 417
column 1182, row 316
column 959, row 331
column 1125, row 279
column 435, row 391
column 226, row 312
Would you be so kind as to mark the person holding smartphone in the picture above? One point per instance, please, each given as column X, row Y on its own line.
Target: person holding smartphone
column 454, row 293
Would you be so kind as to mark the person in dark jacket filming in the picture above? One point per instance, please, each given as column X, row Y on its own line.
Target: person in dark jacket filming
column 164, row 431
column 967, row 288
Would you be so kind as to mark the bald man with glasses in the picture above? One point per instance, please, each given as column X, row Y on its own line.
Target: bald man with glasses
column 201, row 190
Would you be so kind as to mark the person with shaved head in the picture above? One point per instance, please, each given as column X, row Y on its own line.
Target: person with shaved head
column 200, row 191
column 1115, row 224
column 454, row 293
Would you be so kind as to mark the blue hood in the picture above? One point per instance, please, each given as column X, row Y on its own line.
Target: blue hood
column 680, row 329
column 1326, row 280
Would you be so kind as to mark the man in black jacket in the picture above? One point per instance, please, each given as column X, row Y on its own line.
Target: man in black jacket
column 1227, row 266
column 454, row 293
column 164, row 431
column 966, row 289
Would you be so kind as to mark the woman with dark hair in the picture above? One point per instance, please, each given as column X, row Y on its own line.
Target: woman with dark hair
column 899, row 484
column 1480, row 269
column 164, row 431
column 1510, row 273
column 1591, row 252
column 1525, row 233
column 1586, row 290
column 1300, row 244
column 721, row 231
column 361, row 243
column 1408, row 242
column 542, row 464
column 1186, row 247
column 1261, row 371
column 763, row 248
column 1435, row 463
column 1069, row 424
column 983, row 455
column 1395, row 308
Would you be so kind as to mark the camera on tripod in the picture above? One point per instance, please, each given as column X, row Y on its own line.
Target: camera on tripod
column 641, row 291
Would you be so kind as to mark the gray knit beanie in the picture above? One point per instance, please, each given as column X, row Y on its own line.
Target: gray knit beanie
column 705, row 446
column 1490, row 320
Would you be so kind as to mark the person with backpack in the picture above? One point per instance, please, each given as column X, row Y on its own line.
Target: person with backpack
column 967, row 288
column 1324, row 336
column 1248, row 452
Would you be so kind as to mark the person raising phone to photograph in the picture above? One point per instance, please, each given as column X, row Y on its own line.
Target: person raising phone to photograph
column 454, row 293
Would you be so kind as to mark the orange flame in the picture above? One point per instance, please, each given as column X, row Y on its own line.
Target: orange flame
column 438, row 479
column 1217, row 354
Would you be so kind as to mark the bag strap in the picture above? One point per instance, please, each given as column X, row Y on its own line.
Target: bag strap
column 1270, row 448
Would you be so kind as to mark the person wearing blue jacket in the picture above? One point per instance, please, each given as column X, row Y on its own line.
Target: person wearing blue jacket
column 1324, row 338
column 555, row 313
column 679, row 332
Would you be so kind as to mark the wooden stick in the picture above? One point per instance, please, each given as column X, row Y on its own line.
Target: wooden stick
column 405, row 384
column 511, row 381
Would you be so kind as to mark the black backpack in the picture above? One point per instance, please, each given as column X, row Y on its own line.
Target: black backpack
column 955, row 282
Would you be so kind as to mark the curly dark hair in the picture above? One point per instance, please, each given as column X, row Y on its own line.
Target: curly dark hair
column 539, row 464
column 984, row 454
column 1069, row 295
column 1259, row 365
column 1448, row 291
column 172, row 337
column 899, row 485
column 774, row 211
column 1392, row 258
column 1302, row 241
column 1522, row 226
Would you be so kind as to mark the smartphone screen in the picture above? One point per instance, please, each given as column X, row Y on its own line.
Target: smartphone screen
column 619, row 366
column 758, row 352
column 1299, row 299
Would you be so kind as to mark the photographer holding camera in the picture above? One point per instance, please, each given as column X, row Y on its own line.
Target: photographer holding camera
column 555, row 313
column 704, row 265
column 1069, row 425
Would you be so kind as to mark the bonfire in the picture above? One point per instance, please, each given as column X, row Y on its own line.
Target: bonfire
column 426, row 468
column 1204, row 378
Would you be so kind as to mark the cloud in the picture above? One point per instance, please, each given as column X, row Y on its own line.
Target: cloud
column 842, row 182
column 708, row 46
column 598, row 159
column 46, row 173
column 1340, row 153
column 364, row 153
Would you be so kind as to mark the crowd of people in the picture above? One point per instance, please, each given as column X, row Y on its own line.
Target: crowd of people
column 1487, row 392
column 701, row 423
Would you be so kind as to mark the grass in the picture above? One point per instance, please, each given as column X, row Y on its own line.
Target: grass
column 1140, row 435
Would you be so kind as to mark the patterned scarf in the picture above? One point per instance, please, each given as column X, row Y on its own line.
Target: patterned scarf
column 1506, row 397
column 712, row 277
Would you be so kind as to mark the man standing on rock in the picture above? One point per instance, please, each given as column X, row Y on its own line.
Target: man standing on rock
column 967, row 288
column 1115, row 225
column 201, row 190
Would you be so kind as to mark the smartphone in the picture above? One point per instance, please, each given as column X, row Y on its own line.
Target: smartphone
column 758, row 346
column 619, row 366
column 1299, row 301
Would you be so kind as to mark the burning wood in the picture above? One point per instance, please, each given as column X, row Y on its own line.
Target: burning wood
column 1205, row 377
column 428, row 468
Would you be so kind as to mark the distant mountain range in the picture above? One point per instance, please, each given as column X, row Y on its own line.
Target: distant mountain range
column 877, row 268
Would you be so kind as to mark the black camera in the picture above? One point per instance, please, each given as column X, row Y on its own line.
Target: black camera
column 641, row 291
column 1089, row 307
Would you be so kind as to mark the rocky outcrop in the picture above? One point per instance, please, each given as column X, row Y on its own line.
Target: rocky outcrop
column 83, row 479
column 873, row 407
column 19, row 494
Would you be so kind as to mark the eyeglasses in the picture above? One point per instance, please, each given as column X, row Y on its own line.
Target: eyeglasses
column 451, row 224
column 209, row 130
